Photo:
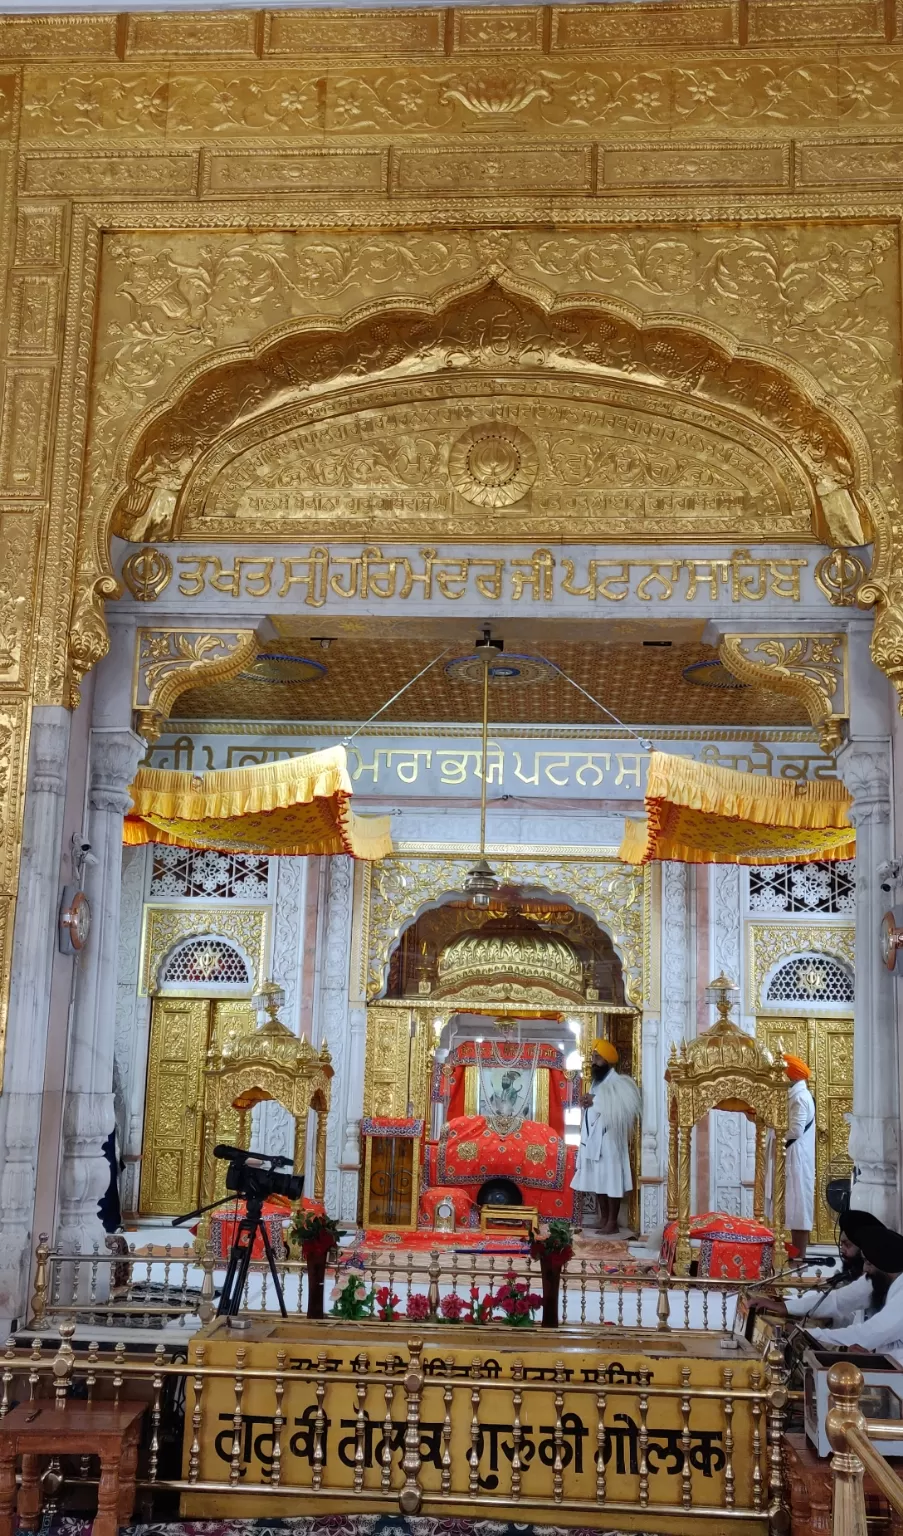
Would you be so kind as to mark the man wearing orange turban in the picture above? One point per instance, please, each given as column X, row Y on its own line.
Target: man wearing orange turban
column 800, row 1154
column 611, row 1111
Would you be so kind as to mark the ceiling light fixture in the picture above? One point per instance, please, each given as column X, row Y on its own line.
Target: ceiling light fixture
column 481, row 882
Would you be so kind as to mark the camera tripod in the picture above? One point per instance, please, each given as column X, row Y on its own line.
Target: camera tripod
column 240, row 1253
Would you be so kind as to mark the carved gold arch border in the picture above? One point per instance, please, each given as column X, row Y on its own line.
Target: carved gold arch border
column 770, row 943
column 398, row 889
column 684, row 352
column 165, row 927
column 811, row 667
column 170, row 661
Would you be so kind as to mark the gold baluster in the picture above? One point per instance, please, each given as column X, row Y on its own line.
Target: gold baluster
column 517, row 1432
column 237, row 1416
column 583, row 1290
column 473, row 1457
column 360, row 1364
column 411, row 1496
column 686, row 1474
column 777, row 1398
column 729, row 1485
column 194, row 1454
column 41, row 1282
column 34, row 1362
column 157, row 1384
column 278, row 1419
column 447, row 1400
column 63, row 1365
column 319, row 1425
column 8, row 1375
column 601, row 1437
column 755, row 1382
column 643, row 1403
column 663, row 1305
column 558, row 1436
column 434, row 1275
column 844, row 1413
column 385, row 1454
column 118, row 1369
column 207, row 1306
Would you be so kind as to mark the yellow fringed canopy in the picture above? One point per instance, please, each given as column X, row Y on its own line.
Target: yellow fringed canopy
column 297, row 807
column 697, row 813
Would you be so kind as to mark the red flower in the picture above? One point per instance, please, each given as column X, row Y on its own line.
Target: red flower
column 419, row 1307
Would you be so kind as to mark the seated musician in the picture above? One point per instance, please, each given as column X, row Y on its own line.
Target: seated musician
column 882, row 1251
column 845, row 1296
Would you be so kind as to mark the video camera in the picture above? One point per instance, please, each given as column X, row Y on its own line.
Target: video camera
column 254, row 1175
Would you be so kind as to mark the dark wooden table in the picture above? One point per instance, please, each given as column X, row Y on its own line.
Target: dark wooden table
column 38, row 1430
column 807, row 1479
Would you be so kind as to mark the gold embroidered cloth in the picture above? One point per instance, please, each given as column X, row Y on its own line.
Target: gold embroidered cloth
column 697, row 813
column 297, row 807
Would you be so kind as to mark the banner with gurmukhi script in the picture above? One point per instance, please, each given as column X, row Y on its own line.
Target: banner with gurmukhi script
column 590, row 1421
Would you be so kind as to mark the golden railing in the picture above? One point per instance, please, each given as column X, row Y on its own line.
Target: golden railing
column 145, row 1287
column 393, row 1453
column 851, row 1435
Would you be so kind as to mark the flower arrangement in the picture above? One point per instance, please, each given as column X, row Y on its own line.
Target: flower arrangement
column 418, row 1309
column 387, row 1305
column 479, row 1311
column 311, row 1230
column 452, row 1307
column 556, row 1248
column 517, row 1301
column 350, row 1297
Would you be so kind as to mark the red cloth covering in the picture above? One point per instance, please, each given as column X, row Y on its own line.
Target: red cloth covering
column 467, row 1213
column 730, row 1247
column 469, row 1152
column 224, row 1229
column 547, row 1058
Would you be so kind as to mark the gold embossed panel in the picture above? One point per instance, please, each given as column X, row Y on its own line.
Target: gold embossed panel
column 171, row 1152
column 553, row 460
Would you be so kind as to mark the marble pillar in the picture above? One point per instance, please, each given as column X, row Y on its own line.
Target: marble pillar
column 34, row 947
column 864, row 764
column 89, row 1112
column 331, row 1021
column 676, row 1026
column 875, row 1122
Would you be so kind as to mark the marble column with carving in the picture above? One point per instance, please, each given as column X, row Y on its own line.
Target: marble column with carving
column 331, row 1020
column 89, row 1112
column 34, row 944
column 875, row 1122
column 676, row 1020
column 132, row 1023
column 727, row 1145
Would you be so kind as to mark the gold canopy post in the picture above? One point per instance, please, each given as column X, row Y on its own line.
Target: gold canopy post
column 266, row 1063
column 723, row 1068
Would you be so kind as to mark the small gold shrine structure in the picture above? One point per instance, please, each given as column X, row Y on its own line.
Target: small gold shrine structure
column 266, row 1063
column 723, row 1068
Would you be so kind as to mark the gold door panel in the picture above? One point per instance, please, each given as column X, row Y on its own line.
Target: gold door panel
column 826, row 1046
column 172, row 1115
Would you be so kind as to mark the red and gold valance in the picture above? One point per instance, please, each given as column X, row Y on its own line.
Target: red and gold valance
column 300, row 806
column 697, row 813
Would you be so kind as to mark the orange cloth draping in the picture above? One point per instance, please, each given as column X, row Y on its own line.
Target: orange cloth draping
column 697, row 813
column 300, row 806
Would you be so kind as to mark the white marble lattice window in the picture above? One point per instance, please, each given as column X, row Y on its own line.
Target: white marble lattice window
column 206, row 961
column 811, row 979
column 183, row 874
column 827, row 888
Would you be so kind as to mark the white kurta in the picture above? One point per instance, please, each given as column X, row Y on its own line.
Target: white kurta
column 883, row 1330
column 800, row 1161
column 603, row 1161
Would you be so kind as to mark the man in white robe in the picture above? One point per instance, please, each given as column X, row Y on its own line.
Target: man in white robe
column 610, row 1112
column 844, row 1299
column 800, row 1155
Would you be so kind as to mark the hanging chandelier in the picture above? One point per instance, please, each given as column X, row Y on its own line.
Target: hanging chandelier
column 482, row 882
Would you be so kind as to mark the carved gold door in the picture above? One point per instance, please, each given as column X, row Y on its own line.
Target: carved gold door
column 171, row 1156
column 826, row 1046
column 182, row 1028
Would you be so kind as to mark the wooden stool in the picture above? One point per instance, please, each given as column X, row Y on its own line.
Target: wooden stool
column 39, row 1429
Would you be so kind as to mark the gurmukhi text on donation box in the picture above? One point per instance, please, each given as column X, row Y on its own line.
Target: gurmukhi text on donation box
column 497, row 1414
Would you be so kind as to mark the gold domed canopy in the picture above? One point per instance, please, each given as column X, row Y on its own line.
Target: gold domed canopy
column 514, row 966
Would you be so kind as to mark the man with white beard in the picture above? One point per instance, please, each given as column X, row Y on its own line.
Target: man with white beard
column 610, row 1112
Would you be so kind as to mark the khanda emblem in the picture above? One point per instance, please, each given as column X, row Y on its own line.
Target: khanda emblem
column 147, row 573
